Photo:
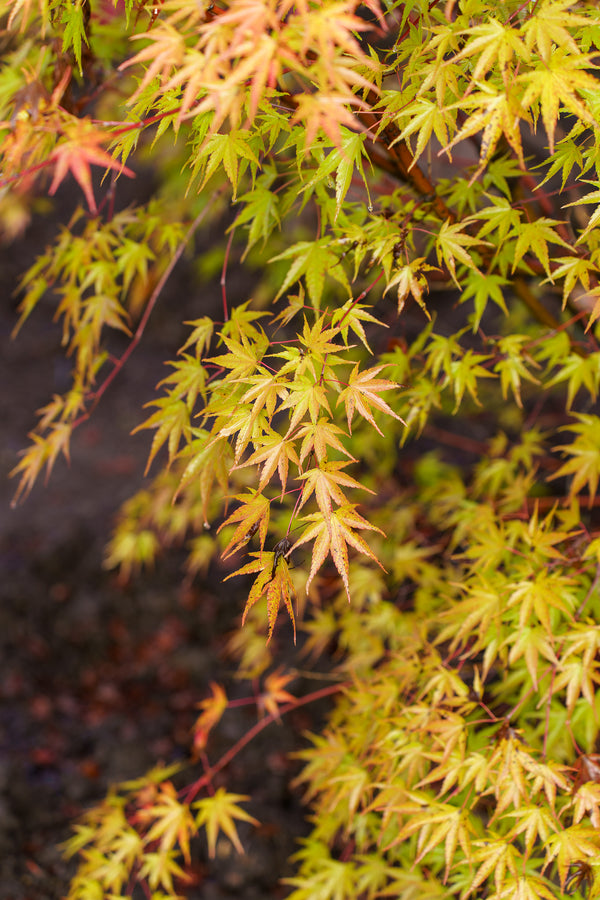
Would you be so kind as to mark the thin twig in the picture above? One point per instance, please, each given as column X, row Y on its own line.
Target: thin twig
column 191, row 790
column 120, row 362
column 224, row 276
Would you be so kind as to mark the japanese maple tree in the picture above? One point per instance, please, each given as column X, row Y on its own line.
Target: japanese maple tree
column 419, row 184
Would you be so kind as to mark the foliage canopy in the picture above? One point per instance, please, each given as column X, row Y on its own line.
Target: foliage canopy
column 419, row 185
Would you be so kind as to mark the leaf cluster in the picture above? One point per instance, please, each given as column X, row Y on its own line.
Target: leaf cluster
column 393, row 442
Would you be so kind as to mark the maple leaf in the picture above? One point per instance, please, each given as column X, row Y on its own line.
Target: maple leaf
column 410, row 280
column 274, row 693
column 362, row 392
column 253, row 515
column 77, row 153
column 496, row 43
column 276, row 454
column 317, row 437
column 217, row 813
column 212, row 708
column 201, row 336
column 313, row 260
column 594, row 218
column 351, row 315
column 172, row 821
column 559, row 81
column 548, row 27
column 584, row 464
column 332, row 534
column 440, row 823
column 245, row 355
column 43, row 451
column 496, row 855
column 534, row 237
column 209, row 463
column 570, row 845
column 273, row 579
column 325, row 482
column 305, row 395
column 171, row 421
column 497, row 112
column 573, row 269
column 451, row 243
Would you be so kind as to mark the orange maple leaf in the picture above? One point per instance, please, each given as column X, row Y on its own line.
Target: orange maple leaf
column 361, row 394
column 274, row 693
column 76, row 154
column 274, row 580
column 212, row 710
column 332, row 534
column 253, row 515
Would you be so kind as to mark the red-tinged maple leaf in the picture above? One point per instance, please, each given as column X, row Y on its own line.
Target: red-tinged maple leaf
column 171, row 822
column 274, row 693
column 252, row 515
column 275, row 454
column 325, row 481
column 361, row 394
column 77, row 153
column 317, row 435
column 274, row 579
column 331, row 534
column 212, row 708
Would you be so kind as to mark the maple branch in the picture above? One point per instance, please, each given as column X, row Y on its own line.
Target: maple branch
column 224, row 276
column 120, row 362
column 188, row 793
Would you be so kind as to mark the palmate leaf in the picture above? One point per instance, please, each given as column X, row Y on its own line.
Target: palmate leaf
column 425, row 118
column 74, row 33
column 169, row 822
column 584, row 450
column 326, row 482
column 275, row 454
column 570, row 845
column 317, row 436
column 80, row 150
column 573, row 269
column 212, row 708
column 331, row 535
column 494, row 44
column 592, row 197
column 274, row 693
column 342, row 160
column 451, row 246
column 43, row 451
column 497, row 856
column 410, row 280
column 313, row 260
column 534, row 237
column 218, row 813
column 172, row 423
column 252, row 516
column 273, row 579
column 208, row 463
column 440, row 823
column 496, row 113
column 557, row 82
column 362, row 395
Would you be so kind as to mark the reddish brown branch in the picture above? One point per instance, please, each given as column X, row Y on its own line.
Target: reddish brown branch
column 97, row 395
column 188, row 793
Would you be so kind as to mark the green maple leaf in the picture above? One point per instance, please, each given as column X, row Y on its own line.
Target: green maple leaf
column 218, row 813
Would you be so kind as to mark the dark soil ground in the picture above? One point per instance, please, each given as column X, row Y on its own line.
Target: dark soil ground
column 99, row 682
